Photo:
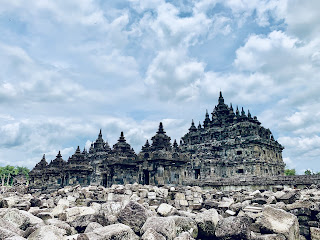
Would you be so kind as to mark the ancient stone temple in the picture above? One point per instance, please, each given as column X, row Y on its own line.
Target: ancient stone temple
column 227, row 144
column 231, row 144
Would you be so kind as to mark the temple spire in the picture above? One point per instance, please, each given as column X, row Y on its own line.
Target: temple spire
column 206, row 121
column 84, row 150
column 193, row 127
column 237, row 112
column 161, row 128
column 59, row 155
column 243, row 114
column 175, row 144
column 121, row 139
column 146, row 146
column 78, row 150
column 221, row 100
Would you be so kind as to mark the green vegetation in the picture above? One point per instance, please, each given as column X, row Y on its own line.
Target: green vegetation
column 8, row 172
column 308, row 172
column 290, row 172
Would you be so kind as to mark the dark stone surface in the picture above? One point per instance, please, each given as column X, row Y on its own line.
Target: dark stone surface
column 233, row 228
column 134, row 215
column 229, row 144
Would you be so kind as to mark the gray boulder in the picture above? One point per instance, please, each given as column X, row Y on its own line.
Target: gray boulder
column 207, row 222
column 233, row 228
column 48, row 232
column 91, row 226
column 315, row 233
column 289, row 197
column 111, row 232
column 133, row 215
column 162, row 225
column 152, row 234
column 60, row 224
column 185, row 224
column 258, row 236
column 16, row 238
column 10, row 226
column 5, row 233
column 184, row 236
column 279, row 221
column 80, row 223
column 166, row 210
column 16, row 217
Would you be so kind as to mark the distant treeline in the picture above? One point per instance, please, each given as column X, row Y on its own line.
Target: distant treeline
column 8, row 173
column 292, row 172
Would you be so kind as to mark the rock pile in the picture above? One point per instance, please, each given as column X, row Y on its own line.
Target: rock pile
column 157, row 213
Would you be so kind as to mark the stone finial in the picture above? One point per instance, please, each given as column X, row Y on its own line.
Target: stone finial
column 193, row 127
column 122, row 138
column 78, row 150
column 221, row 100
column 237, row 112
column 161, row 128
column 243, row 114
column 59, row 155
column 84, row 151
column 175, row 144
column 249, row 114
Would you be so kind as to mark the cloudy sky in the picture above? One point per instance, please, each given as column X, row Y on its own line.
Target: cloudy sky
column 69, row 68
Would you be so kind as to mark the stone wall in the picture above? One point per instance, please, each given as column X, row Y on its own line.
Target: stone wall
column 254, row 182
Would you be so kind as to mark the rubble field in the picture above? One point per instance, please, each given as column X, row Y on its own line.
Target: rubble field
column 146, row 212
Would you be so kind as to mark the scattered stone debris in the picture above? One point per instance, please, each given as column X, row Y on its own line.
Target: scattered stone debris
column 135, row 211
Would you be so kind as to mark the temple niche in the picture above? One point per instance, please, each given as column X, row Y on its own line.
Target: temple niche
column 229, row 143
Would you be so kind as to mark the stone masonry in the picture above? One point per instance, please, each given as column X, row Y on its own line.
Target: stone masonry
column 229, row 144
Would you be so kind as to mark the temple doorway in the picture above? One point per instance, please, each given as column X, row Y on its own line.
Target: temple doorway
column 196, row 173
column 146, row 177
column 105, row 180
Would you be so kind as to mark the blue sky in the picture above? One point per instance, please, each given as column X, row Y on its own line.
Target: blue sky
column 69, row 68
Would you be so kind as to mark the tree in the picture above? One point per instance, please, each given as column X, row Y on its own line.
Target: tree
column 24, row 171
column 307, row 172
column 290, row 172
column 2, row 175
column 8, row 172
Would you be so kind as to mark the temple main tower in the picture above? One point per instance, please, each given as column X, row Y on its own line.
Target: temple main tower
column 231, row 144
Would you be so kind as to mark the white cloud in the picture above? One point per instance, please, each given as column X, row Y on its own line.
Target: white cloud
column 87, row 65
column 271, row 53
column 165, row 29
column 302, row 18
column 173, row 76
column 117, row 64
